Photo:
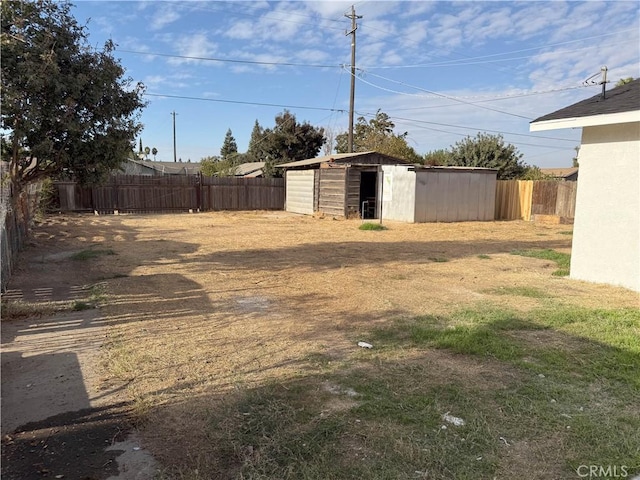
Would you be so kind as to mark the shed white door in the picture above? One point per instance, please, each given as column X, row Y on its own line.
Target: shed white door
column 299, row 191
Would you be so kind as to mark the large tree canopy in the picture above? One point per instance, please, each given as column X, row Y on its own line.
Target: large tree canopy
column 68, row 109
column 489, row 151
column 288, row 141
column 377, row 135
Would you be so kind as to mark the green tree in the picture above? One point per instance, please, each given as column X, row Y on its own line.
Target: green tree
column 216, row 167
column 68, row 106
column 534, row 173
column 254, row 151
column 154, row 152
column 437, row 157
column 147, row 151
column 229, row 146
column 624, row 81
column 288, row 141
column 377, row 135
column 488, row 151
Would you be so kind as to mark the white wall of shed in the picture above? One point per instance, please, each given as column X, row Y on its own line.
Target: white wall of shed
column 606, row 233
column 299, row 191
column 398, row 193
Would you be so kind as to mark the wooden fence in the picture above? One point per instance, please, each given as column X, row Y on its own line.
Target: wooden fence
column 523, row 199
column 16, row 216
column 513, row 199
column 173, row 193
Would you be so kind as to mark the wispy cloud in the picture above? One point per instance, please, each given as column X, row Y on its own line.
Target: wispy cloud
column 164, row 16
column 174, row 81
column 194, row 45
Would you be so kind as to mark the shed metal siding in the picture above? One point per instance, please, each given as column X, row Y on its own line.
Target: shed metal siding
column 444, row 196
column 455, row 196
column 331, row 199
column 300, row 191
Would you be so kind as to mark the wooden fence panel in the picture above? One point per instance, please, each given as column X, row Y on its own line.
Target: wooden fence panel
column 566, row 199
column 149, row 194
column 545, row 195
column 520, row 199
column 513, row 199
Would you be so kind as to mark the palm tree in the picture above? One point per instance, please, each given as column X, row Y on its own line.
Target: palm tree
column 154, row 152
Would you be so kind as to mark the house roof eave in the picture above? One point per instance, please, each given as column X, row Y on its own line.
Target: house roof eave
column 589, row 121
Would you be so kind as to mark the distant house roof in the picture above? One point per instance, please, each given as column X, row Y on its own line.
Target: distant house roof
column 170, row 168
column 249, row 169
column 343, row 158
column 620, row 105
column 565, row 173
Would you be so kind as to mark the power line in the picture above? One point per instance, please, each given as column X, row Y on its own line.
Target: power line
column 493, row 98
column 516, row 143
column 299, row 107
column 229, row 60
column 364, row 114
column 458, row 99
column 477, row 129
column 449, row 97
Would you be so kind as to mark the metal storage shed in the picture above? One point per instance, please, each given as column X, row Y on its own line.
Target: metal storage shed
column 438, row 194
column 341, row 185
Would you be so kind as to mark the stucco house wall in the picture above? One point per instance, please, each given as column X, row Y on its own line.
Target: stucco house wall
column 606, row 235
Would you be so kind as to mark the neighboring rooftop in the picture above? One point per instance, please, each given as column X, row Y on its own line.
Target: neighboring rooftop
column 189, row 168
column 560, row 172
column 249, row 169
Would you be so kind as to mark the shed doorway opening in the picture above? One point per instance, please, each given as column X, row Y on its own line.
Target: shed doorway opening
column 368, row 194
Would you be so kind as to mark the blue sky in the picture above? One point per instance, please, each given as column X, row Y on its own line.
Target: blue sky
column 440, row 70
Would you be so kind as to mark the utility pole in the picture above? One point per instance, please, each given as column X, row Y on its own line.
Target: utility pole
column 352, row 97
column 174, row 135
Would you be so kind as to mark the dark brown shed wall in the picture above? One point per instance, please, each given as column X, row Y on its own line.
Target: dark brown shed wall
column 331, row 198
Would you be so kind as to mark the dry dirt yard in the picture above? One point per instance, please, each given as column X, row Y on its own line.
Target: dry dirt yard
column 213, row 318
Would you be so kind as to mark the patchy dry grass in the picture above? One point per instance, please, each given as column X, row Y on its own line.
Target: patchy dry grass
column 12, row 310
column 236, row 335
column 532, row 407
column 563, row 260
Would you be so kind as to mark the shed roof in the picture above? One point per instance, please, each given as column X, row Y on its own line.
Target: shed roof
column 443, row 168
column 620, row 104
column 339, row 158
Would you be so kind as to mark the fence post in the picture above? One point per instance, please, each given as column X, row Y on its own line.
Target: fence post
column 199, row 192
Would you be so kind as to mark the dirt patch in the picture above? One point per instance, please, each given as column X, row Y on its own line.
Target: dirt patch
column 537, row 460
